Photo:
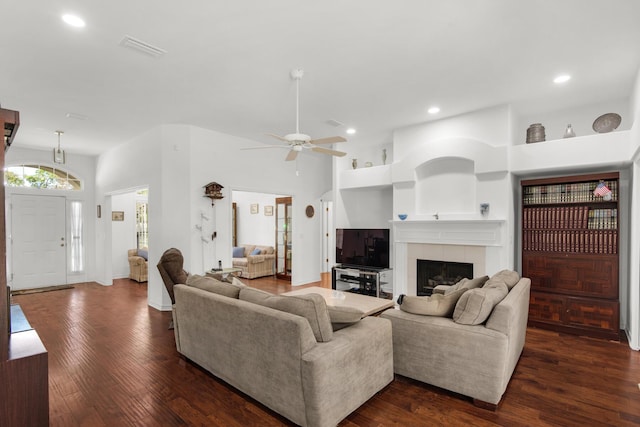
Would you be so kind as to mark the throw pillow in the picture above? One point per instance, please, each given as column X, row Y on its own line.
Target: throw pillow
column 144, row 254
column 509, row 277
column 475, row 305
column 435, row 305
column 238, row 252
column 256, row 251
column 311, row 306
column 341, row 317
column 215, row 286
column 467, row 284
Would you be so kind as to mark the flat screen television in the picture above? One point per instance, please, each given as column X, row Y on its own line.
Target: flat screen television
column 363, row 247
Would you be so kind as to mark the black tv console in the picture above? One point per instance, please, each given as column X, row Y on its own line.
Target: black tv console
column 371, row 282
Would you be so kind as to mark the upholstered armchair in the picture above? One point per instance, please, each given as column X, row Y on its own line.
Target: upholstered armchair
column 172, row 273
column 138, row 265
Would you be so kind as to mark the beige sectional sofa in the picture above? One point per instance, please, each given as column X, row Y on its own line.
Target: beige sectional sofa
column 295, row 364
column 258, row 265
column 456, row 349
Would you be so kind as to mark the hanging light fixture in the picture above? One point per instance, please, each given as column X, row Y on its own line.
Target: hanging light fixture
column 58, row 154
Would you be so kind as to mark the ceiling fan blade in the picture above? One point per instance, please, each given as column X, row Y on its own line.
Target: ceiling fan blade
column 292, row 155
column 281, row 138
column 327, row 151
column 264, row 146
column 328, row 140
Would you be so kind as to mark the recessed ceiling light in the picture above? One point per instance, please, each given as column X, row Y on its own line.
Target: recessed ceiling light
column 562, row 79
column 73, row 20
column 433, row 110
column 351, row 131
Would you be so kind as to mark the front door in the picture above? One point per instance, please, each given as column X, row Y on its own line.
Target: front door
column 38, row 241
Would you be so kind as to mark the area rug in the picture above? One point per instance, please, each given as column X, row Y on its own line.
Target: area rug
column 38, row 290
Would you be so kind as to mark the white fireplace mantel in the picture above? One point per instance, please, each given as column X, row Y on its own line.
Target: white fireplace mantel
column 481, row 232
column 455, row 233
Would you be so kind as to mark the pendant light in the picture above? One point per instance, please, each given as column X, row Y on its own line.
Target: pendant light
column 58, row 154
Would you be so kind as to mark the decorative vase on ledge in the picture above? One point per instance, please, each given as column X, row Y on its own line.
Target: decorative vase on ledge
column 569, row 132
column 354, row 163
column 384, row 156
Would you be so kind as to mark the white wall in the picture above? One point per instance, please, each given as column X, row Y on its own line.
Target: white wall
column 175, row 162
column 217, row 157
column 633, row 330
column 83, row 167
column 255, row 229
column 135, row 164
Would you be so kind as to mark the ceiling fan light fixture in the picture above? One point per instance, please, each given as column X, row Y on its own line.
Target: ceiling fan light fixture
column 297, row 141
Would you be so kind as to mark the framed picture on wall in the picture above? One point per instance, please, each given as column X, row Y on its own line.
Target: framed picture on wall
column 117, row 216
column 268, row 211
column 254, row 208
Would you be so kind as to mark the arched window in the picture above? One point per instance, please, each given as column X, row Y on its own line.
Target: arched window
column 40, row 176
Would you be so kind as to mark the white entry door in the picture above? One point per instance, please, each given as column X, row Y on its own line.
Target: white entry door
column 38, row 241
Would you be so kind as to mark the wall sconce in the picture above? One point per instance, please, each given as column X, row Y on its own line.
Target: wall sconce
column 484, row 208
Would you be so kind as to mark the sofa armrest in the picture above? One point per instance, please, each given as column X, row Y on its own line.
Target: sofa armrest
column 342, row 374
column 137, row 260
column 511, row 314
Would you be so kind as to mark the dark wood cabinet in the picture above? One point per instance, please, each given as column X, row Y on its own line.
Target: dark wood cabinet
column 284, row 238
column 24, row 381
column 570, row 240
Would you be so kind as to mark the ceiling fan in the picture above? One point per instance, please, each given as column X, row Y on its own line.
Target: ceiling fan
column 296, row 142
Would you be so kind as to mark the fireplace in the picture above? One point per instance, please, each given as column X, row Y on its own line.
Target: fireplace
column 431, row 273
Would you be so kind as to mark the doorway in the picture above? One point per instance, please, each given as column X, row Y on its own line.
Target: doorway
column 129, row 228
column 254, row 219
column 39, row 254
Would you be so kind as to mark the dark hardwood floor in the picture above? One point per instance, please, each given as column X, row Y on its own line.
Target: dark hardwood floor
column 113, row 362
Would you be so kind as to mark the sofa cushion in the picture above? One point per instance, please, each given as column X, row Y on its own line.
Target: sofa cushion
column 509, row 277
column 238, row 252
column 231, row 290
column 467, row 284
column 441, row 305
column 143, row 253
column 475, row 305
column 341, row 317
column 311, row 306
column 256, row 251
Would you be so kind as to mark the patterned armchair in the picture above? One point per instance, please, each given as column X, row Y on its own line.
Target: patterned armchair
column 138, row 265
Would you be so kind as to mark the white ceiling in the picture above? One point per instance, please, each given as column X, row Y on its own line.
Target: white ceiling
column 375, row 65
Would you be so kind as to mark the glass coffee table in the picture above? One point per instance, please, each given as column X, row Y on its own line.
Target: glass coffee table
column 224, row 274
column 369, row 305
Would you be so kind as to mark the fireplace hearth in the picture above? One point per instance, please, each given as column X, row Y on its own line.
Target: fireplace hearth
column 431, row 273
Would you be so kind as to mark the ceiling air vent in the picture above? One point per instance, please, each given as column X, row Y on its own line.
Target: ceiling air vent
column 143, row 47
column 334, row 123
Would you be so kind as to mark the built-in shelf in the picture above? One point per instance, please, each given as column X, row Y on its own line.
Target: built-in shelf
column 589, row 151
column 371, row 177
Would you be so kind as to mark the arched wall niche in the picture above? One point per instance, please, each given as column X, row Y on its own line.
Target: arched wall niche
column 486, row 158
column 445, row 185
